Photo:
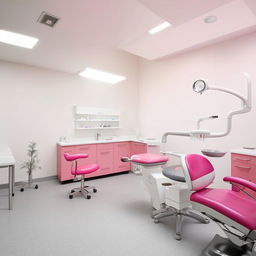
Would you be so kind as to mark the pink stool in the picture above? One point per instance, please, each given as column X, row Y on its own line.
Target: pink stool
column 81, row 170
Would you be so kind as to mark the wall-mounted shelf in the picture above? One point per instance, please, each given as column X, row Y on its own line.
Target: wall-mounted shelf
column 97, row 128
column 96, row 118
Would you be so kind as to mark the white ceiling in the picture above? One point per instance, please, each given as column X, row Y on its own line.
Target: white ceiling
column 89, row 30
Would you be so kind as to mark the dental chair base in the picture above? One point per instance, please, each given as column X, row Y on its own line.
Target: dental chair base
column 168, row 197
column 220, row 246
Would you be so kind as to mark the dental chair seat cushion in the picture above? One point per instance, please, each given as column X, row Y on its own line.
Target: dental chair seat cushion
column 174, row 174
column 85, row 169
column 149, row 159
column 234, row 205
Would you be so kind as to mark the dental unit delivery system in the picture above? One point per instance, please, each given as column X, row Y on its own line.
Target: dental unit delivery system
column 163, row 175
column 200, row 86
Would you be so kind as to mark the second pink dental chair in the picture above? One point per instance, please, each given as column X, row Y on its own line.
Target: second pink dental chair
column 233, row 211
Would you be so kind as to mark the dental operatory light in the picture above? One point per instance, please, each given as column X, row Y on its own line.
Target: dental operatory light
column 199, row 86
column 159, row 28
column 101, row 76
column 16, row 39
column 210, row 19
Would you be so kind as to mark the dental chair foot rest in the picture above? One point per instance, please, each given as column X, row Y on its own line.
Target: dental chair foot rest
column 220, row 246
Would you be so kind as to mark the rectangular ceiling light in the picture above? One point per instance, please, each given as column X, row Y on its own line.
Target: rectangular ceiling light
column 101, row 76
column 17, row 39
column 159, row 28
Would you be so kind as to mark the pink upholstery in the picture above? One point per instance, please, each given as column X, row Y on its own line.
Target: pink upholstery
column 242, row 182
column 198, row 166
column 149, row 159
column 233, row 205
column 73, row 157
column 85, row 169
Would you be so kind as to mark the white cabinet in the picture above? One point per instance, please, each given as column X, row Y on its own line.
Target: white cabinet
column 96, row 118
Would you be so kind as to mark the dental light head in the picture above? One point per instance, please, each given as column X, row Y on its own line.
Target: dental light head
column 200, row 86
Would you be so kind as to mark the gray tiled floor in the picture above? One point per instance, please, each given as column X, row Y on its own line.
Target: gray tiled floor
column 115, row 221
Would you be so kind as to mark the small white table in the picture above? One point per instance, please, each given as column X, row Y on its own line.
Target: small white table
column 7, row 160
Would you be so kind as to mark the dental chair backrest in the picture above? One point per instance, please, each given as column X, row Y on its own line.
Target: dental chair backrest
column 198, row 171
column 193, row 169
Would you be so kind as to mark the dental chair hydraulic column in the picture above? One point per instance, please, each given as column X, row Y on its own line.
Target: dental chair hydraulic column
column 169, row 197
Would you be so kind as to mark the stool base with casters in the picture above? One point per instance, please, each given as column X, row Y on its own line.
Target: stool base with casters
column 84, row 190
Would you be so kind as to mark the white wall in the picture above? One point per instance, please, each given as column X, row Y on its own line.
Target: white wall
column 37, row 105
column 167, row 102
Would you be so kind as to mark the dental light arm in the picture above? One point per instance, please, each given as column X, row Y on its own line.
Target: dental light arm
column 246, row 106
column 200, row 86
column 203, row 119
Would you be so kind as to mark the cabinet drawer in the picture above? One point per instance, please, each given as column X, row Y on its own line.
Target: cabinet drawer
column 242, row 171
column 105, row 146
column 242, row 159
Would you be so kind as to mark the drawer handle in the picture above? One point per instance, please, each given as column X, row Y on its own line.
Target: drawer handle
column 243, row 159
column 243, row 167
column 106, row 168
column 105, row 153
column 84, row 148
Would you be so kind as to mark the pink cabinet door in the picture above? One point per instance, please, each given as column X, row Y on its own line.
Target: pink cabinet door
column 243, row 166
column 105, row 158
column 64, row 167
column 120, row 150
column 91, row 150
column 138, row 148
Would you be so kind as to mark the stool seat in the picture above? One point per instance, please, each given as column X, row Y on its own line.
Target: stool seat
column 85, row 169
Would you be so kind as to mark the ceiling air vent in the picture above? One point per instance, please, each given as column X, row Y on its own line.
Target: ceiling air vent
column 47, row 19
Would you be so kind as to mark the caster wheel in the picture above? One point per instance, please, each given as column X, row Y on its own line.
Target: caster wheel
column 94, row 190
column 22, row 189
column 88, row 197
column 72, row 191
column 36, row 186
column 70, row 196
column 156, row 221
column 206, row 221
column 178, row 237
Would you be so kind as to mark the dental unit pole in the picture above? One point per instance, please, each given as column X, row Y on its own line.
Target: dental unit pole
column 200, row 86
column 203, row 119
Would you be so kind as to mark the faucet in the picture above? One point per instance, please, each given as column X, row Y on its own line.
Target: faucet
column 97, row 136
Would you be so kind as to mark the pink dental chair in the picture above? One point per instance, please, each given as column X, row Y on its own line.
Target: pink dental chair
column 233, row 210
column 81, row 170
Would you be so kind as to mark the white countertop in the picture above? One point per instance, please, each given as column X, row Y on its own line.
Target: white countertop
column 73, row 142
column 6, row 156
column 243, row 151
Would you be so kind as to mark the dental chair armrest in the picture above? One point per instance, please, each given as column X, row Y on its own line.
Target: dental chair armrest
column 240, row 181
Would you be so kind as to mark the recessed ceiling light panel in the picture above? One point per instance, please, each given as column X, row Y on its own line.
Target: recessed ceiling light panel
column 101, row 76
column 211, row 19
column 16, row 39
column 159, row 28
